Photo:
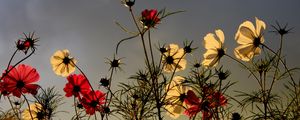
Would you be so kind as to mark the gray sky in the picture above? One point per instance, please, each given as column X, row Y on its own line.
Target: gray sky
column 87, row 29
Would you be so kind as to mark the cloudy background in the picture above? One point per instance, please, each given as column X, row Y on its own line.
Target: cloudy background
column 87, row 29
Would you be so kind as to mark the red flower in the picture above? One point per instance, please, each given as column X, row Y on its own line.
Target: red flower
column 76, row 84
column 92, row 101
column 18, row 80
column 195, row 104
column 150, row 18
column 217, row 99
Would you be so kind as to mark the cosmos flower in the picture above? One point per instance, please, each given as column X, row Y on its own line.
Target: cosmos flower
column 249, row 39
column 174, row 59
column 77, row 84
column 62, row 63
column 36, row 112
column 19, row 80
column 176, row 95
column 93, row 101
column 206, row 105
column 150, row 18
column 213, row 43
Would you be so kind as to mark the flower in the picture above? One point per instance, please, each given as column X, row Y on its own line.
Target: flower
column 36, row 112
column 92, row 101
column 24, row 44
column 205, row 105
column 62, row 63
column 176, row 95
column 174, row 59
column 150, row 18
column 76, row 84
column 128, row 3
column 19, row 80
column 214, row 46
column 249, row 39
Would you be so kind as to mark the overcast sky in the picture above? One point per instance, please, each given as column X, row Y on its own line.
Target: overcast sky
column 87, row 29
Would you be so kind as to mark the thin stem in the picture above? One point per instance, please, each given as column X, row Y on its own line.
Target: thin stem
column 12, row 107
column 277, row 64
column 85, row 78
column 11, row 59
column 151, row 50
column 7, row 71
column 245, row 67
column 28, row 106
column 75, row 106
column 110, row 79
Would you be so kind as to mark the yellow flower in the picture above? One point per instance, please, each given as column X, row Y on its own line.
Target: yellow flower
column 35, row 110
column 249, row 39
column 176, row 93
column 173, row 59
column 62, row 63
column 213, row 43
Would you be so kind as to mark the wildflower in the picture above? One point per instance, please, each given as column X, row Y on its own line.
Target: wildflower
column 217, row 99
column 29, row 42
column 150, row 18
column 92, row 101
column 36, row 112
column 104, row 82
column 214, row 46
column 174, row 59
column 77, row 84
column 249, row 39
column 19, row 80
column 62, row 63
column 176, row 95
column 193, row 104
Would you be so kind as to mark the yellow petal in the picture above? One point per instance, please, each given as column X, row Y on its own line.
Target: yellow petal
column 247, row 29
column 260, row 26
column 210, row 42
column 244, row 52
column 220, row 35
column 211, row 53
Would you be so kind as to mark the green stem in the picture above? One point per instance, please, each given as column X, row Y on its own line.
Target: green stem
column 246, row 68
column 151, row 50
column 75, row 106
column 11, row 59
column 7, row 71
column 28, row 106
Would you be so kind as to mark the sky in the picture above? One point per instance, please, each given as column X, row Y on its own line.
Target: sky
column 87, row 28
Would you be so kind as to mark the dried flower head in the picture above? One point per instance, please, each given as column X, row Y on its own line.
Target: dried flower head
column 27, row 42
column 281, row 30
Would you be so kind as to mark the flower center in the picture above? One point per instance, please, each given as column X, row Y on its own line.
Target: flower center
column 94, row 104
column 170, row 60
column 76, row 89
column 115, row 63
column 66, row 60
column 40, row 115
column 221, row 52
column 182, row 97
column 20, row 84
column 256, row 41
